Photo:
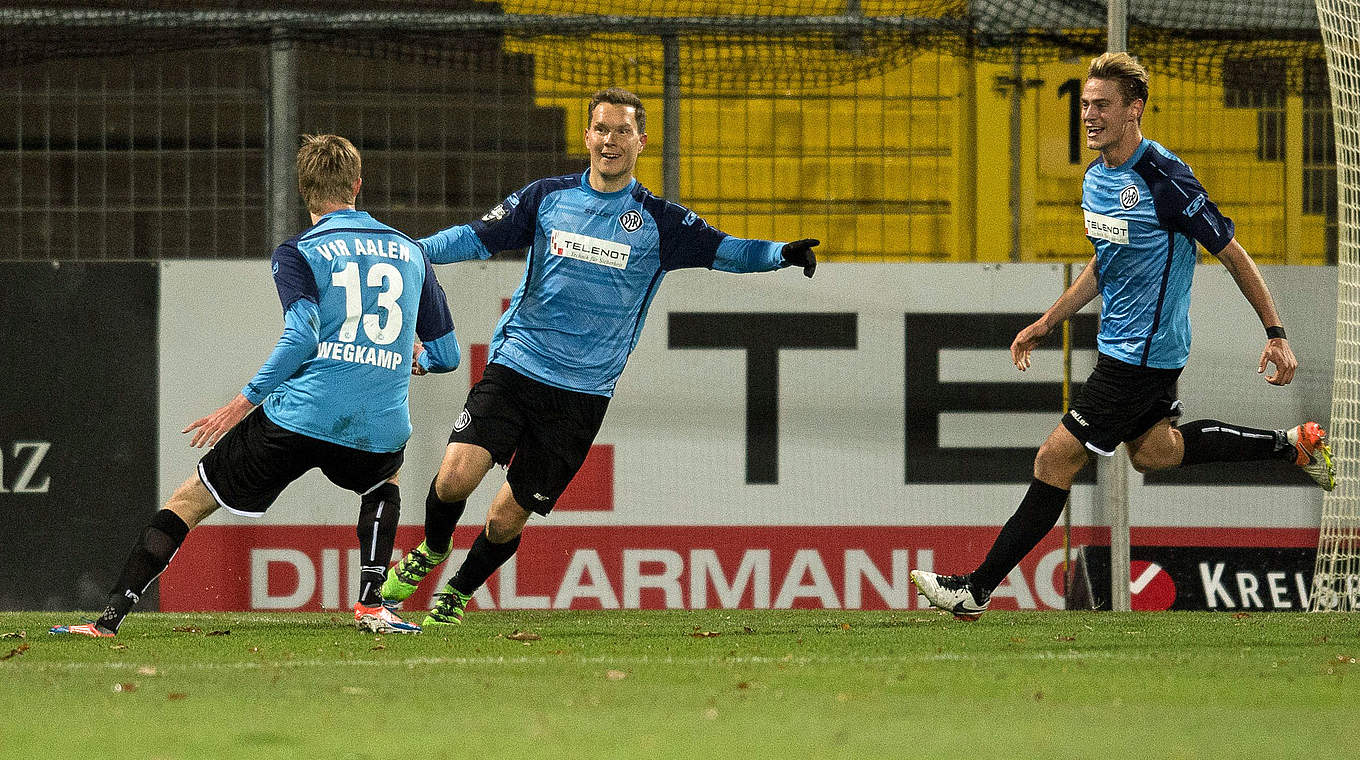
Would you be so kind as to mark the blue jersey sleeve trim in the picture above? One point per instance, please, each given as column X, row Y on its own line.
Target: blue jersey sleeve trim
column 301, row 332
column 454, row 244
column 441, row 354
column 686, row 239
column 293, row 276
column 743, row 256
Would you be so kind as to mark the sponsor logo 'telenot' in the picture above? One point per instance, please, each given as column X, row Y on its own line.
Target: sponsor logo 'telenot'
column 1109, row 228
column 591, row 249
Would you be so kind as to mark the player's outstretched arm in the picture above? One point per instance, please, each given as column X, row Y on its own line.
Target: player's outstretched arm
column 1070, row 302
column 1253, row 286
column 208, row 430
column 742, row 256
column 457, row 243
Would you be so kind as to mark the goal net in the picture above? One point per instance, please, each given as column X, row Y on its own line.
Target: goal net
column 1336, row 576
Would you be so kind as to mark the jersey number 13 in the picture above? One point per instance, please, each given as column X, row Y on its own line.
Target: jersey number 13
column 379, row 330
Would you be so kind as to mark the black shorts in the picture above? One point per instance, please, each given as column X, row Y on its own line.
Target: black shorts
column 542, row 432
column 1120, row 402
column 252, row 464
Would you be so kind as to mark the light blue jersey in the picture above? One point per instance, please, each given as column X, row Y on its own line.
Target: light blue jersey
column 356, row 294
column 594, row 264
column 1144, row 218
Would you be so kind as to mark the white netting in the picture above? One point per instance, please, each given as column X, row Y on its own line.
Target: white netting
column 1336, row 578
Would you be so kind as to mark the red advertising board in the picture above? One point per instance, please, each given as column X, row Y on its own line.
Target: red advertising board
column 314, row 567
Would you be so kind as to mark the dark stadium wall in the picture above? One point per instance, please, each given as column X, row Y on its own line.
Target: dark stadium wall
column 78, row 433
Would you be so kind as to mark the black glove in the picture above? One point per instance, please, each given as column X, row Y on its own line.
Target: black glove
column 799, row 254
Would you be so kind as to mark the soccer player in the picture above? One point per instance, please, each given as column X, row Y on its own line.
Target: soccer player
column 1145, row 211
column 356, row 294
column 600, row 244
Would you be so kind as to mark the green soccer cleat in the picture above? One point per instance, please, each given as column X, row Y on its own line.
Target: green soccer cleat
column 1312, row 454
column 449, row 609
column 403, row 578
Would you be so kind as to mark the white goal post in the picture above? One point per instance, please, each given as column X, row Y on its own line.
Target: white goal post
column 1336, row 575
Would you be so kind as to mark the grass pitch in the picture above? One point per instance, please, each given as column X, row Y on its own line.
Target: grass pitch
column 681, row 684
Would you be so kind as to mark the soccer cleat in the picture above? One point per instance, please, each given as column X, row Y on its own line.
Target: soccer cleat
column 403, row 578
column 951, row 593
column 449, row 609
column 83, row 629
column 380, row 619
column 1313, row 454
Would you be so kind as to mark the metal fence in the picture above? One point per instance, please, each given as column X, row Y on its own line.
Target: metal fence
column 937, row 155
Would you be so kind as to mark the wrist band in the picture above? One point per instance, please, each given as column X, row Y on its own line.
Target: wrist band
column 1274, row 331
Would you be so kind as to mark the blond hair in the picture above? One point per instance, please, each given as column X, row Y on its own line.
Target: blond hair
column 1126, row 71
column 327, row 168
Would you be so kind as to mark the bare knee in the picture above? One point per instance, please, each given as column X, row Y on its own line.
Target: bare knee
column 192, row 501
column 450, row 486
column 504, row 522
column 1144, row 465
column 461, row 472
column 506, row 518
column 1161, row 448
column 499, row 531
column 1145, row 462
column 1059, row 460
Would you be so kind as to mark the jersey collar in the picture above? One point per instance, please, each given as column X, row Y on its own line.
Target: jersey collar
column 1137, row 154
column 585, row 185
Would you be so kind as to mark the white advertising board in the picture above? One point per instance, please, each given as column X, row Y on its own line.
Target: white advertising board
column 873, row 396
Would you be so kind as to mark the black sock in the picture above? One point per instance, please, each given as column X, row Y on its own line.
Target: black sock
column 1214, row 441
column 441, row 517
column 1036, row 516
column 148, row 559
column 379, row 512
column 483, row 559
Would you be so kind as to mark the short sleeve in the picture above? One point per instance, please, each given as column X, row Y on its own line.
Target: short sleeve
column 686, row 239
column 1183, row 205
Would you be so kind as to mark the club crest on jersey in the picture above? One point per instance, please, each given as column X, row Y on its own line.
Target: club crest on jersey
column 1128, row 197
column 631, row 220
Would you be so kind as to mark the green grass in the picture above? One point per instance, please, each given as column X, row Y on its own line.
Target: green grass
column 694, row 685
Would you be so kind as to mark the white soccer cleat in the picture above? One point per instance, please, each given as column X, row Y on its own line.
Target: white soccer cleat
column 380, row 619
column 951, row 593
